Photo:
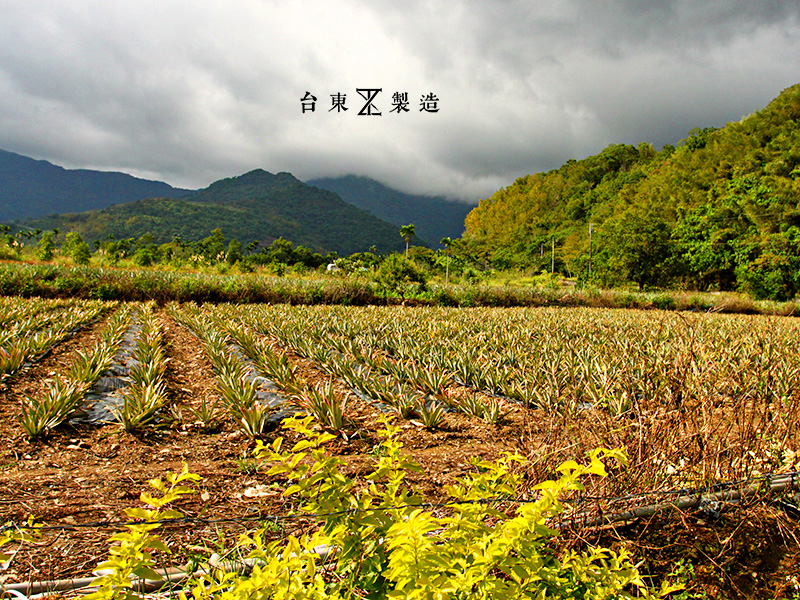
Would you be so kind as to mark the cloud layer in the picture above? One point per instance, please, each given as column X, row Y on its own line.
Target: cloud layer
column 189, row 92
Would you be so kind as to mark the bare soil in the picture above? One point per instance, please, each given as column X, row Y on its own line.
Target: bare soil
column 86, row 474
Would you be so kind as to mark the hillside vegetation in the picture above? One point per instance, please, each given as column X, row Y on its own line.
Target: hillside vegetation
column 718, row 212
column 257, row 206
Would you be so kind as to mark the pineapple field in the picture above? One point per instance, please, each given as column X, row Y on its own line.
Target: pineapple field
column 98, row 398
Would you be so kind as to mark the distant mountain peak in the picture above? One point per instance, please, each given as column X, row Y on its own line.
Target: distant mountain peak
column 256, row 206
column 433, row 216
column 256, row 178
column 261, row 175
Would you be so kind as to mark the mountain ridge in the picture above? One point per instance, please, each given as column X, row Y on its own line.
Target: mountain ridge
column 36, row 190
column 719, row 212
column 32, row 187
column 255, row 206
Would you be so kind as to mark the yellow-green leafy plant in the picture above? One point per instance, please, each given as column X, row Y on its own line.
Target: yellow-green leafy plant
column 11, row 533
column 377, row 539
column 132, row 557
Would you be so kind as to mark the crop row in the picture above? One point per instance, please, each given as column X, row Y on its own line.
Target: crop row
column 557, row 359
column 249, row 370
column 252, row 381
column 30, row 327
column 120, row 378
column 721, row 388
column 399, row 385
column 14, row 310
column 64, row 395
column 146, row 392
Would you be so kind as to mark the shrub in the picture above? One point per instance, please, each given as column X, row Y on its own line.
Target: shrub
column 771, row 276
column 143, row 257
column 397, row 273
column 664, row 302
column 77, row 249
column 388, row 545
column 46, row 246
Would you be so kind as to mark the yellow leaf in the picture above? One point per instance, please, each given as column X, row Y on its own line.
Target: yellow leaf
column 598, row 468
column 569, row 465
column 147, row 573
column 292, row 489
column 546, row 485
column 137, row 513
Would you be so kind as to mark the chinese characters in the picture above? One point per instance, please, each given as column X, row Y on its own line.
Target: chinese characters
column 370, row 104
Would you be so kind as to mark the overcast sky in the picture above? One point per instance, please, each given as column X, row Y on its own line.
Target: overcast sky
column 191, row 91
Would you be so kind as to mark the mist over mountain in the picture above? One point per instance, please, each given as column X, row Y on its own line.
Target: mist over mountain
column 434, row 217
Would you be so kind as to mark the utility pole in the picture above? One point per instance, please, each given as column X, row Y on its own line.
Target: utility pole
column 591, row 227
column 552, row 255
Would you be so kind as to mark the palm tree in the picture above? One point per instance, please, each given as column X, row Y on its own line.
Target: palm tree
column 407, row 232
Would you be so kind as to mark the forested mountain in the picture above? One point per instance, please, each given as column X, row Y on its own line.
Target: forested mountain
column 434, row 217
column 33, row 188
column 720, row 211
column 256, row 206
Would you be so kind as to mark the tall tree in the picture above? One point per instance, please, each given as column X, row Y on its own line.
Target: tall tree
column 638, row 248
column 407, row 232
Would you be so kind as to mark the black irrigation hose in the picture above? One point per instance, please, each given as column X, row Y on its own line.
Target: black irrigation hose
column 689, row 499
column 167, row 577
column 777, row 484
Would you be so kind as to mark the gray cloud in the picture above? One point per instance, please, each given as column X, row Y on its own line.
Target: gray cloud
column 190, row 92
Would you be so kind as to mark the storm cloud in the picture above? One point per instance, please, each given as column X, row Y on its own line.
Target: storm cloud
column 188, row 92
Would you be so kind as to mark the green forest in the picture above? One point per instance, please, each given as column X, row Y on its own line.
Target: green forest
column 718, row 212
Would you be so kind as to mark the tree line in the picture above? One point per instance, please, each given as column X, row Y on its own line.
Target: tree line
column 395, row 271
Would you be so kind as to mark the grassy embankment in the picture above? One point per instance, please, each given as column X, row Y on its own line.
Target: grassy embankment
column 59, row 281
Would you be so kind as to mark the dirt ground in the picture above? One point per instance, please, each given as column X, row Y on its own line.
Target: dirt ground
column 87, row 474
